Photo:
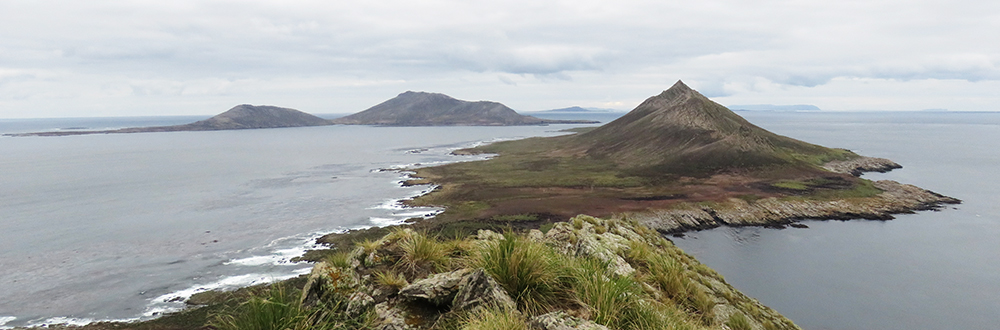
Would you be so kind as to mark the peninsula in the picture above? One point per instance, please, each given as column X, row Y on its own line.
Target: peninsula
column 434, row 109
column 242, row 116
column 677, row 162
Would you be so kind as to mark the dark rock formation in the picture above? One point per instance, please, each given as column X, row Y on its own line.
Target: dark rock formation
column 433, row 109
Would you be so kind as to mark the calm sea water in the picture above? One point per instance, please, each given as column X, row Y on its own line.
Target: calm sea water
column 124, row 226
column 930, row 270
column 115, row 226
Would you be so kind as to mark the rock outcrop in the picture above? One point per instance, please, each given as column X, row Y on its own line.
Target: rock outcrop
column 859, row 165
column 895, row 198
column 460, row 294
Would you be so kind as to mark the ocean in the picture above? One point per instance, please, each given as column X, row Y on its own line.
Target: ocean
column 124, row 226
column 929, row 270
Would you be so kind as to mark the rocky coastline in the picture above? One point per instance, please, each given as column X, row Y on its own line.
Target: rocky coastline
column 860, row 165
column 896, row 198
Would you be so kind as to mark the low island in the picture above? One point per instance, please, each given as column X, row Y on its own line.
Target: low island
column 242, row 116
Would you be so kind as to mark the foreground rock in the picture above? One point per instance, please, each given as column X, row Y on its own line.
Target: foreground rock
column 459, row 294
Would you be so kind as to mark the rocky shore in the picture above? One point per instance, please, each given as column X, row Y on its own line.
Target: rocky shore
column 896, row 198
column 859, row 165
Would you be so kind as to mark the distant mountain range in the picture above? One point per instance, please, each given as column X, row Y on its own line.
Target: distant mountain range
column 434, row 109
column 582, row 110
column 772, row 107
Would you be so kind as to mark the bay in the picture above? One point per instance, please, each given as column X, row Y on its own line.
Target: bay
column 929, row 270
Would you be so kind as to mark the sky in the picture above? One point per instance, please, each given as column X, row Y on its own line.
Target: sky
column 101, row 58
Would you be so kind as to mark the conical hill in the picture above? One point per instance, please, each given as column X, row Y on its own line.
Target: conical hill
column 681, row 131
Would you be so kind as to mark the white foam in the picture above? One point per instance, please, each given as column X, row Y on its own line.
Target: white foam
column 383, row 222
column 4, row 320
column 63, row 321
column 173, row 301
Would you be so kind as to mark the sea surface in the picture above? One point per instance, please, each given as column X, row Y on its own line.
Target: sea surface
column 930, row 270
column 124, row 226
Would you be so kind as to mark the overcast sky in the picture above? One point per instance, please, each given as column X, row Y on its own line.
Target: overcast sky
column 135, row 58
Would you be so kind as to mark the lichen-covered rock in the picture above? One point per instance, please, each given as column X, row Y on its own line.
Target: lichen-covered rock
column 479, row 289
column 358, row 302
column 326, row 279
column 535, row 235
column 605, row 247
column 559, row 320
column 589, row 236
column 488, row 235
column 439, row 289
column 390, row 318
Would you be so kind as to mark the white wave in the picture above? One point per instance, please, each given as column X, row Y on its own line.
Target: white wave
column 63, row 321
column 384, row 222
column 173, row 301
column 418, row 213
column 4, row 320
column 392, row 204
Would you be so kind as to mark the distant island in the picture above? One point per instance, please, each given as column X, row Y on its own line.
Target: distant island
column 242, row 116
column 578, row 109
column 772, row 107
column 434, row 109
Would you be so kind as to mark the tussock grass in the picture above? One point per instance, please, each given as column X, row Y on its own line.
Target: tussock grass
column 738, row 321
column 339, row 260
column 495, row 318
column 422, row 255
column 616, row 302
column 530, row 272
column 274, row 310
column 391, row 279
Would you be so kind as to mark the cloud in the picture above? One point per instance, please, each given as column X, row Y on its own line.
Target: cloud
column 186, row 50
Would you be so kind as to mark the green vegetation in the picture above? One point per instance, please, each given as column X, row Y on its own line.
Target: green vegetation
column 530, row 272
column 495, row 318
column 667, row 288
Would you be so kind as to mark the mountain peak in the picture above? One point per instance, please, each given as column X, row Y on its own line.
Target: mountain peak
column 682, row 131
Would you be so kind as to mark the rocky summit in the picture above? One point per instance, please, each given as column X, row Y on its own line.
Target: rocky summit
column 434, row 109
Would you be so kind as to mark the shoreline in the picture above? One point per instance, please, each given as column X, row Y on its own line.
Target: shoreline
column 896, row 198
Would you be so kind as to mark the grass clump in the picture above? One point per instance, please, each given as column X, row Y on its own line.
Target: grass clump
column 422, row 255
column 391, row 279
column 530, row 272
column 614, row 301
column 276, row 309
column 495, row 318
column 738, row 321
